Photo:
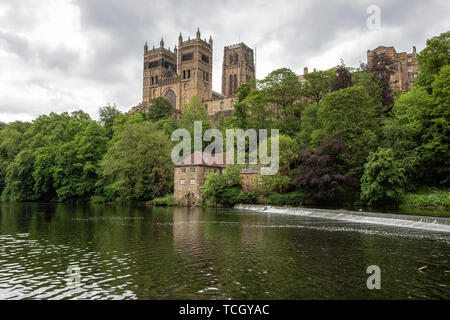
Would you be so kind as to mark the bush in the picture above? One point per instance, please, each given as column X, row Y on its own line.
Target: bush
column 164, row 201
column 295, row 198
column 431, row 197
column 383, row 179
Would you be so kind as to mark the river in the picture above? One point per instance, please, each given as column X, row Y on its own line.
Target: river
column 55, row 251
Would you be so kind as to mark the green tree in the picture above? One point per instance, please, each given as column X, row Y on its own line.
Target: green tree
column 431, row 59
column 383, row 178
column 223, row 188
column 160, row 108
column 107, row 115
column 318, row 84
column 347, row 114
column 194, row 111
column 137, row 165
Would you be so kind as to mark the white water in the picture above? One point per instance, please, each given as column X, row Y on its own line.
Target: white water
column 414, row 222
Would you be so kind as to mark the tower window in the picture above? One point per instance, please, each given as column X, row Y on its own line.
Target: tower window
column 235, row 84
column 205, row 58
column 231, row 59
column 236, row 58
column 231, row 85
column 156, row 79
column 184, row 74
column 153, row 81
column 189, row 74
column 221, row 105
column 187, row 56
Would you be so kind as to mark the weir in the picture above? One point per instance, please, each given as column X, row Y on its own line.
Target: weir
column 394, row 220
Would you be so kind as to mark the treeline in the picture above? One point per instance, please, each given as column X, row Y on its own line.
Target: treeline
column 345, row 139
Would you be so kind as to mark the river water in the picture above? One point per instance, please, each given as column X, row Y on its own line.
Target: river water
column 54, row 251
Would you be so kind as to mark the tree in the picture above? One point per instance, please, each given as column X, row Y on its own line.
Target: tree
column 194, row 111
column 432, row 59
column 19, row 182
column 318, row 85
column 343, row 78
column 382, row 67
column 107, row 115
column 383, row 178
column 223, row 188
column 137, row 165
column 288, row 154
column 346, row 113
column 321, row 173
column 160, row 108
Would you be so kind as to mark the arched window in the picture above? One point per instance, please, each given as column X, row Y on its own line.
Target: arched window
column 230, row 91
column 153, row 81
column 189, row 74
column 156, row 79
column 231, row 59
column 172, row 97
column 184, row 74
column 206, row 106
column 235, row 84
column 236, row 58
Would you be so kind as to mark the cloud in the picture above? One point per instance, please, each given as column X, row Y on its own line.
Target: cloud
column 61, row 55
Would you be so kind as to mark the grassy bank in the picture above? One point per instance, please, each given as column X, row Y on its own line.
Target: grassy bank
column 427, row 198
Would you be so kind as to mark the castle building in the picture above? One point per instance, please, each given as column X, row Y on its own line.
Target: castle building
column 407, row 67
column 186, row 71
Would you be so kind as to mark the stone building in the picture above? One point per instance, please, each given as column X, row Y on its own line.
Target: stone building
column 190, row 175
column 186, row 71
column 407, row 67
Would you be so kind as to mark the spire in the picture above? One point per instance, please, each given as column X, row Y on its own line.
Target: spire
column 161, row 44
column 180, row 39
column 210, row 41
column 175, row 49
column 146, row 47
column 198, row 33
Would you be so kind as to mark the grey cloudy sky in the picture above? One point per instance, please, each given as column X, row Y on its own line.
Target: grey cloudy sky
column 63, row 55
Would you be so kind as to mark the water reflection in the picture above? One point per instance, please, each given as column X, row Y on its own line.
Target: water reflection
column 163, row 253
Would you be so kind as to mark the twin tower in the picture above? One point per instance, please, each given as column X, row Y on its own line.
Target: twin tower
column 187, row 71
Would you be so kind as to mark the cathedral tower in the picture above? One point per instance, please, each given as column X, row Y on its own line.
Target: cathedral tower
column 238, row 68
column 195, row 67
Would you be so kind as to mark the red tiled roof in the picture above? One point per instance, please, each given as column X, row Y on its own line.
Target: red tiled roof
column 204, row 159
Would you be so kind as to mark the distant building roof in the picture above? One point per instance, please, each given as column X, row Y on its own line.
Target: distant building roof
column 249, row 171
column 204, row 159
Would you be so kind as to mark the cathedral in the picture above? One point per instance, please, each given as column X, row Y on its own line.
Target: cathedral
column 186, row 71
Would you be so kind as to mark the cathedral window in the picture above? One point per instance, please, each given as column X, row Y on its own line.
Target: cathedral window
column 231, row 59
column 187, row 56
column 236, row 59
column 189, row 74
column 153, row 81
column 221, row 105
column 184, row 74
column 156, row 81
column 235, row 84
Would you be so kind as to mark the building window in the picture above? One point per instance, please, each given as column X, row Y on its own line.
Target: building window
column 156, row 79
column 184, row 74
column 206, row 170
column 182, row 181
column 192, row 170
column 410, row 69
column 231, row 85
column 153, row 81
column 231, row 59
column 172, row 97
column 409, row 59
column 403, row 61
column 206, row 106
column 221, row 105
column 187, row 56
column 410, row 77
column 236, row 58
column 189, row 74
column 192, row 181
column 182, row 170
column 235, row 83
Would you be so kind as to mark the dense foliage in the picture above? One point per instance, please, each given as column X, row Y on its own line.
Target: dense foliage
column 344, row 138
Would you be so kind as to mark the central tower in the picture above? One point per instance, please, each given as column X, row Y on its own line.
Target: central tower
column 195, row 67
column 238, row 68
